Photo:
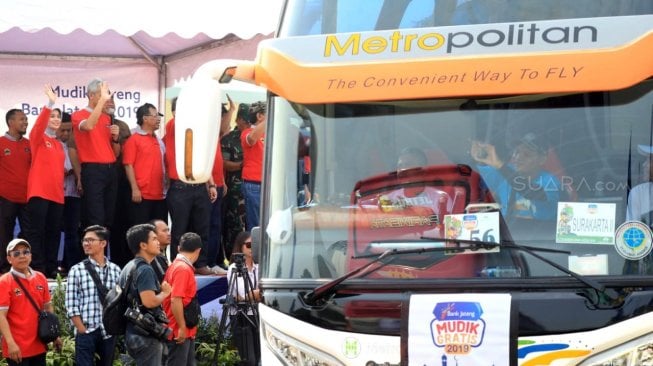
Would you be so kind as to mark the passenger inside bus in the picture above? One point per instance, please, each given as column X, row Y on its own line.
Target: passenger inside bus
column 640, row 206
column 523, row 188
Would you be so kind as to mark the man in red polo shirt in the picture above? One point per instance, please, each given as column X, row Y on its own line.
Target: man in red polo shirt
column 97, row 147
column 252, row 140
column 15, row 159
column 143, row 160
column 18, row 317
column 181, row 276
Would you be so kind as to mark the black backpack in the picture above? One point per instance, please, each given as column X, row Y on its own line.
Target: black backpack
column 116, row 303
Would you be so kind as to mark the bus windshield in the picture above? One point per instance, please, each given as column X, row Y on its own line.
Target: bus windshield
column 348, row 182
column 311, row 17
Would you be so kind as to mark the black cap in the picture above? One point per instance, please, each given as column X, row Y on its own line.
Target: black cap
column 243, row 111
column 257, row 107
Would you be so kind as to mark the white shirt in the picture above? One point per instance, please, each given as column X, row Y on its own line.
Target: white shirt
column 639, row 203
column 238, row 288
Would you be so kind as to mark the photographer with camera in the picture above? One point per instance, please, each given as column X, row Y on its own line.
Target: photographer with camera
column 243, row 283
column 147, row 329
column 252, row 141
column 181, row 307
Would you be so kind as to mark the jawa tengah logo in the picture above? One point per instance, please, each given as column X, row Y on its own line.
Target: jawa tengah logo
column 457, row 327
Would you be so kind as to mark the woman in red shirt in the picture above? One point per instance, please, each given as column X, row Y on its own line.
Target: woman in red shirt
column 45, row 196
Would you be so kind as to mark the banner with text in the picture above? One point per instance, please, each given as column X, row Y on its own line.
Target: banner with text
column 133, row 84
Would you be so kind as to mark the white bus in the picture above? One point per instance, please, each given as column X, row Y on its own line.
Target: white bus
column 447, row 182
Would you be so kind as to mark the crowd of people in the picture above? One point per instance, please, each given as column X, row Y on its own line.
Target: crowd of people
column 110, row 190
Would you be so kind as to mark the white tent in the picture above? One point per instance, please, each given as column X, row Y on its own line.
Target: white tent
column 129, row 28
column 141, row 47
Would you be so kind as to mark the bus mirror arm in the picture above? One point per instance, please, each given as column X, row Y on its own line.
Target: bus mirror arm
column 224, row 70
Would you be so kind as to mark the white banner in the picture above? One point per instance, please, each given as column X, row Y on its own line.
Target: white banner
column 22, row 80
column 459, row 329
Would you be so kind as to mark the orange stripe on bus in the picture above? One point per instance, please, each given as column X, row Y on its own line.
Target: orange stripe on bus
column 546, row 72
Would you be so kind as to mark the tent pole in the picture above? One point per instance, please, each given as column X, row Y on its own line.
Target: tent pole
column 145, row 54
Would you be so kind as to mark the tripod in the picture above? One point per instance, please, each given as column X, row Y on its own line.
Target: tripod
column 240, row 306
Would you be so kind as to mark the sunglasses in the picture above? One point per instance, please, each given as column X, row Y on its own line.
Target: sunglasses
column 17, row 253
column 248, row 244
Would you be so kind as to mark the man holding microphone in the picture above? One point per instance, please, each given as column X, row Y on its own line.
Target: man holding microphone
column 97, row 147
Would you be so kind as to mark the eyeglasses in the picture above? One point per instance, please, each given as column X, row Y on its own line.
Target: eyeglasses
column 248, row 244
column 90, row 240
column 17, row 253
column 152, row 115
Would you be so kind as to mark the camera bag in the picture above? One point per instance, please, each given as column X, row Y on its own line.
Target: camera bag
column 117, row 302
column 48, row 326
column 192, row 313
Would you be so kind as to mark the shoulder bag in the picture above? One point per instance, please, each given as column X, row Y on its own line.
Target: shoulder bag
column 48, row 327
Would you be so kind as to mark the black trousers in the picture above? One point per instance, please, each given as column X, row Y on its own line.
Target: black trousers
column 9, row 212
column 43, row 233
column 38, row 360
column 146, row 210
column 100, row 190
column 73, row 252
column 190, row 211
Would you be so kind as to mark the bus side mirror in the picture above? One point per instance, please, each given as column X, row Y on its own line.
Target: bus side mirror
column 198, row 114
column 197, row 129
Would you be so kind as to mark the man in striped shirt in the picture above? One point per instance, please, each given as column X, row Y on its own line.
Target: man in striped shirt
column 84, row 303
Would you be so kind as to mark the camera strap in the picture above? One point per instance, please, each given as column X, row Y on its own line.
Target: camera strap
column 132, row 296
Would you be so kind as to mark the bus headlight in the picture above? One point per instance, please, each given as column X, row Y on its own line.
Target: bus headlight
column 638, row 351
column 294, row 352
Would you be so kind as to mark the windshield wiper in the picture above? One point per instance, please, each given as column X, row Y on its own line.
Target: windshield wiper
column 328, row 288
column 610, row 293
column 387, row 256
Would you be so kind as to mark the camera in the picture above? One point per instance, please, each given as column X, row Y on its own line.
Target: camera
column 239, row 258
column 147, row 324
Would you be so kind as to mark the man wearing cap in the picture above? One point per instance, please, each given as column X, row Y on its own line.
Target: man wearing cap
column 640, row 206
column 522, row 187
column 18, row 317
column 143, row 159
column 234, row 203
